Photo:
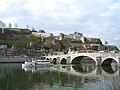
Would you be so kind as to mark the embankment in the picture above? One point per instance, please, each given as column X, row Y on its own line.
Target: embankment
column 14, row 59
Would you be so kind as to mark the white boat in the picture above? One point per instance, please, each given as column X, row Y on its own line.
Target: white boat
column 36, row 63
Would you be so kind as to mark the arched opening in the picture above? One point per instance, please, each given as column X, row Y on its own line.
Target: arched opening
column 54, row 61
column 110, row 66
column 83, row 60
column 63, row 61
column 47, row 59
column 64, row 67
column 109, row 62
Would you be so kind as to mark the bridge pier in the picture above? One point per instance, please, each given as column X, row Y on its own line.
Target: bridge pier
column 98, row 61
column 58, row 60
column 68, row 60
column 119, row 61
column 69, row 68
column 99, row 70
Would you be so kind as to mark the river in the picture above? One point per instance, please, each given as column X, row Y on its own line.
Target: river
column 59, row 77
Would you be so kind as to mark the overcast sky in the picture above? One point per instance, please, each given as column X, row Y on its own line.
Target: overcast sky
column 93, row 18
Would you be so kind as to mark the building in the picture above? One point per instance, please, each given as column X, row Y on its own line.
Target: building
column 75, row 36
column 94, row 44
column 111, row 48
column 42, row 34
column 79, row 40
column 16, row 30
column 61, row 36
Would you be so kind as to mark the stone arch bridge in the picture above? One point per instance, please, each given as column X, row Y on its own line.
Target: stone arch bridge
column 100, row 58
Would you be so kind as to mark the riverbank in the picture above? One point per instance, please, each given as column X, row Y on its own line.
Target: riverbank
column 15, row 59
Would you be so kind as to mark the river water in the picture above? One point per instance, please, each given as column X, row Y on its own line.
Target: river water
column 59, row 77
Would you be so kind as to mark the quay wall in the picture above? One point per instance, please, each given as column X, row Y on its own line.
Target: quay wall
column 14, row 59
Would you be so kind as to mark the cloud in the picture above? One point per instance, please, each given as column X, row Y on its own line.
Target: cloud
column 9, row 20
column 116, row 38
column 38, row 7
column 54, row 9
column 111, row 9
column 3, row 5
column 94, row 18
column 106, row 14
column 115, row 6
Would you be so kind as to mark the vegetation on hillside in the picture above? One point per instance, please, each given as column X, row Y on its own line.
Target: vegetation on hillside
column 21, row 42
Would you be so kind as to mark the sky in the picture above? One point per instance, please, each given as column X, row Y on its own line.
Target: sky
column 92, row 18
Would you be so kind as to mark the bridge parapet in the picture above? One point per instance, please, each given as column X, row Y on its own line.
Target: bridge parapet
column 99, row 58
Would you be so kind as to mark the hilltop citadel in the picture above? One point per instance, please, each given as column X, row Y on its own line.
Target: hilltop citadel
column 17, row 41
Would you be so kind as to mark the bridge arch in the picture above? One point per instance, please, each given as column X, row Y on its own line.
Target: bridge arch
column 77, row 59
column 108, row 60
column 47, row 58
column 63, row 61
column 54, row 61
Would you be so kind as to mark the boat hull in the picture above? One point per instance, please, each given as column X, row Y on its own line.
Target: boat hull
column 36, row 64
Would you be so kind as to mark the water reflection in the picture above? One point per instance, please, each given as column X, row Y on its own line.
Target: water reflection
column 110, row 69
column 59, row 77
column 84, row 68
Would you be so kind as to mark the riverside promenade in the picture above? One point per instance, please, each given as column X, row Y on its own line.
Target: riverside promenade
column 15, row 59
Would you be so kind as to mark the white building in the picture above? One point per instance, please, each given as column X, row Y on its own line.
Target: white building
column 41, row 34
column 76, row 36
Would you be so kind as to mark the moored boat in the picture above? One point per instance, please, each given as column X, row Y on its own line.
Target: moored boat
column 37, row 63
